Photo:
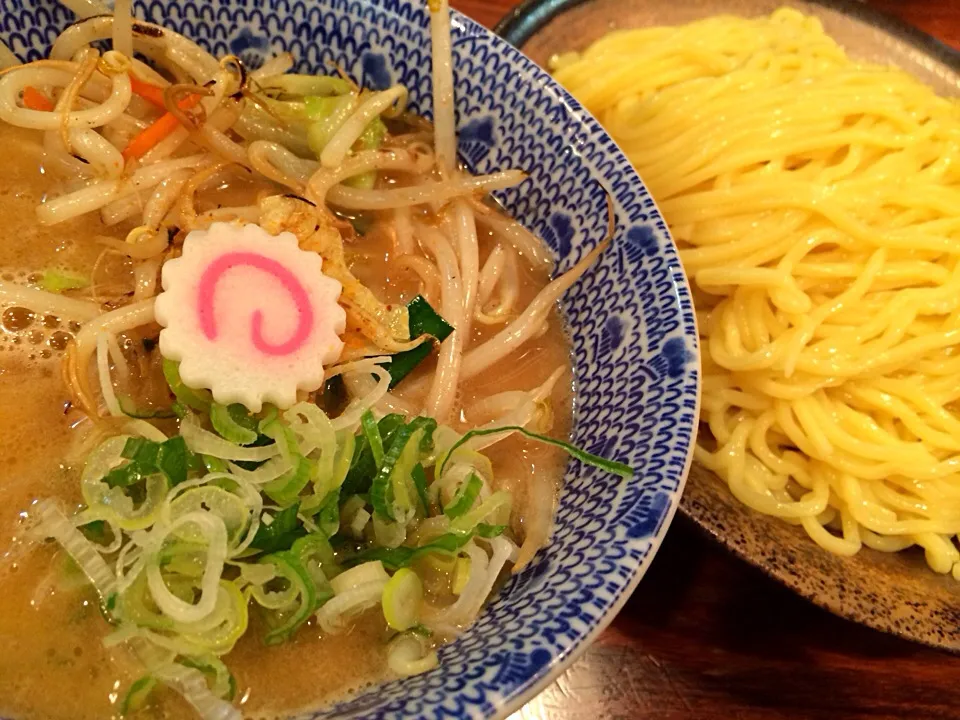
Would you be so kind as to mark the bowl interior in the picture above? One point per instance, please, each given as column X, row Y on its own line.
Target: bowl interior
column 631, row 319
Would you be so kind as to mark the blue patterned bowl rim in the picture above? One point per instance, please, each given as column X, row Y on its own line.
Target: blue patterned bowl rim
column 631, row 321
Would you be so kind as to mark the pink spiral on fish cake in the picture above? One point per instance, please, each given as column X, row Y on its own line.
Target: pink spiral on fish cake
column 206, row 301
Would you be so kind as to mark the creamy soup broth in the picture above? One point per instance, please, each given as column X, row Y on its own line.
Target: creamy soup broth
column 54, row 664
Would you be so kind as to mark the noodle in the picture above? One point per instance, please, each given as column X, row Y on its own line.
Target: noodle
column 816, row 203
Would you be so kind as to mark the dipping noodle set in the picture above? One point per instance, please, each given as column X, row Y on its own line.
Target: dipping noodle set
column 290, row 396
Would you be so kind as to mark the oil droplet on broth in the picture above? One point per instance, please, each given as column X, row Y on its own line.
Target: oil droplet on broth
column 59, row 339
column 16, row 319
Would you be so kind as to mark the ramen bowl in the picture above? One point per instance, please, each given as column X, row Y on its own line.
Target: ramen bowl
column 630, row 319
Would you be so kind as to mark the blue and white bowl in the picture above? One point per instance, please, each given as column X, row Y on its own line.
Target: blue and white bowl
column 630, row 318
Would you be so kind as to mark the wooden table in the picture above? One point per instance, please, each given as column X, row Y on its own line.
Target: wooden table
column 707, row 637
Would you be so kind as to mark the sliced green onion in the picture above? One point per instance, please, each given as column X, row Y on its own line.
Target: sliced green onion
column 287, row 488
column 419, row 476
column 130, row 409
column 219, row 678
column 54, row 524
column 402, row 600
column 284, row 624
column 135, row 605
column 192, row 685
column 372, row 433
column 389, row 486
column 219, row 632
column 137, row 695
column 204, row 442
column 233, row 423
column 355, row 590
column 461, row 575
column 317, row 436
column 408, row 654
column 113, row 503
column 214, row 465
column 400, row 557
column 466, row 496
column 198, row 400
column 363, row 574
column 363, row 467
column 215, row 535
column 328, row 516
column 230, row 507
column 617, row 468
column 316, row 556
column 495, row 508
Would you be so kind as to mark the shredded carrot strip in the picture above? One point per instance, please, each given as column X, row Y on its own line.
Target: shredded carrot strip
column 143, row 141
column 150, row 136
column 36, row 100
column 151, row 93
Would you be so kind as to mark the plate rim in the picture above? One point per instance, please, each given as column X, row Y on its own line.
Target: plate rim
column 528, row 18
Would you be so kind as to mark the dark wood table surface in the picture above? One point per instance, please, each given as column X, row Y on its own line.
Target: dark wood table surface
column 706, row 636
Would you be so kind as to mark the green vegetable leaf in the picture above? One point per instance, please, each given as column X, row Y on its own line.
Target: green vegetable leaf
column 58, row 281
column 282, row 533
column 424, row 320
column 174, row 459
column 617, row 468
column 125, row 475
column 95, row 532
column 364, row 467
column 371, row 139
column 171, row 457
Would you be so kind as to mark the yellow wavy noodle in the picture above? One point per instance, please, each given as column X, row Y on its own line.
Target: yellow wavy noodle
column 816, row 202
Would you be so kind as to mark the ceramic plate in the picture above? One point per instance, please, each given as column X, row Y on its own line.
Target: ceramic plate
column 893, row 593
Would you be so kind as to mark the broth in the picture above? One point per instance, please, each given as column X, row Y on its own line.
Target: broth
column 54, row 664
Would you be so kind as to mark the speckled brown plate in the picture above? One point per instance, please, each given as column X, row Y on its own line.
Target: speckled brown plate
column 893, row 593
